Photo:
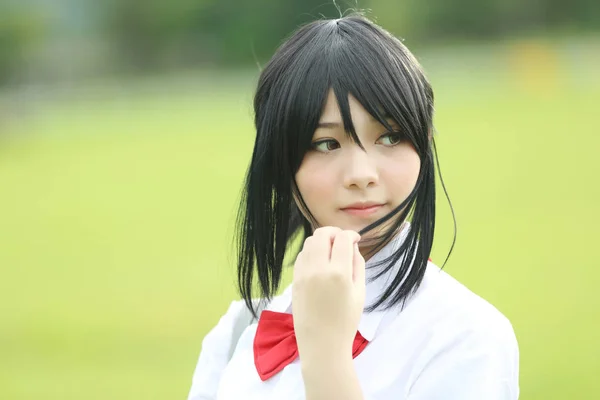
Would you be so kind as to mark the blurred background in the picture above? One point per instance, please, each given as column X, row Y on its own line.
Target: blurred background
column 126, row 128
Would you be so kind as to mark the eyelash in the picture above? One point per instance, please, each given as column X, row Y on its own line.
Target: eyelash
column 398, row 135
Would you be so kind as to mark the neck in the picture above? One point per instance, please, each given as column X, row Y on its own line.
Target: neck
column 369, row 246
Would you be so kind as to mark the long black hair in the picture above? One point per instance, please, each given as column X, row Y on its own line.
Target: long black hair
column 350, row 55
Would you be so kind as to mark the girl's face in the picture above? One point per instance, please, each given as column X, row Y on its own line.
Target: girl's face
column 345, row 186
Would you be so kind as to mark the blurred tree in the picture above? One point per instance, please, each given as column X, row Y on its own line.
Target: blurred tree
column 144, row 35
column 152, row 33
column 435, row 20
column 142, row 31
column 251, row 31
column 20, row 29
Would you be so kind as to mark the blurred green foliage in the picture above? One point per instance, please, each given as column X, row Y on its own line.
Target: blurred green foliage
column 83, row 37
column 20, row 30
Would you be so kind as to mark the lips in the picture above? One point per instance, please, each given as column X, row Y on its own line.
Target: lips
column 362, row 209
column 362, row 206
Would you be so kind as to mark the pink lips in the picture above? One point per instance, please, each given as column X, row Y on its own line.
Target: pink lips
column 362, row 209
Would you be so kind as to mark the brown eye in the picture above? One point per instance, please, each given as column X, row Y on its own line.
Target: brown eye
column 390, row 139
column 325, row 146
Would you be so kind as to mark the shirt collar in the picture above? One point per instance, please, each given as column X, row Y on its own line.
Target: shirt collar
column 369, row 321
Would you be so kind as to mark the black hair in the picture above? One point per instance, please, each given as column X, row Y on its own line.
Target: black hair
column 350, row 55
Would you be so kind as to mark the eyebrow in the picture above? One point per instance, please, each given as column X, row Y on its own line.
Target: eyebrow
column 329, row 125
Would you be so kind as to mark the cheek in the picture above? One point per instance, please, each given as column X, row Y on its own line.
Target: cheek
column 316, row 184
column 401, row 174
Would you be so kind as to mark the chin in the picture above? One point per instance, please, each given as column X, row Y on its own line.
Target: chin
column 359, row 228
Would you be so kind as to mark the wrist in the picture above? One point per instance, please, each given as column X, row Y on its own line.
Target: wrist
column 331, row 378
column 320, row 365
column 325, row 352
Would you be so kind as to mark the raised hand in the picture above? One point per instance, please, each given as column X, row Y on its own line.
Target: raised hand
column 328, row 294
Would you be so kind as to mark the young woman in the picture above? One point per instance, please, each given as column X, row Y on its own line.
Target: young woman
column 343, row 164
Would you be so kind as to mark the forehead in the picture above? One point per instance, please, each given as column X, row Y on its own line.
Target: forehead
column 331, row 110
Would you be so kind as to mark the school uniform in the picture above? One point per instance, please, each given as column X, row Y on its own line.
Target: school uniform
column 444, row 343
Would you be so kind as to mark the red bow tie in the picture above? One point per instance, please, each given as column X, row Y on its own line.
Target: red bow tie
column 275, row 343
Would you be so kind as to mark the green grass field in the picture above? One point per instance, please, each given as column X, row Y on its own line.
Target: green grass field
column 116, row 213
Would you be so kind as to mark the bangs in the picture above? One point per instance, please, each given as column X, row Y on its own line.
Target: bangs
column 351, row 58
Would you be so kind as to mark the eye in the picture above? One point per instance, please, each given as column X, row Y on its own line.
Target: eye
column 325, row 146
column 390, row 139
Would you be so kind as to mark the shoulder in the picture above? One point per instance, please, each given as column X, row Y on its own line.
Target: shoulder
column 216, row 352
column 452, row 319
column 451, row 302
column 464, row 339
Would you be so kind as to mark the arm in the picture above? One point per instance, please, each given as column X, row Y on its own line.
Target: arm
column 215, row 354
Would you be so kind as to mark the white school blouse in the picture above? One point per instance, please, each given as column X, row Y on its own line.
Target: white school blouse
column 446, row 343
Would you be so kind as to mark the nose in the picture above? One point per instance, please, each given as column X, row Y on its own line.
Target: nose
column 360, row 169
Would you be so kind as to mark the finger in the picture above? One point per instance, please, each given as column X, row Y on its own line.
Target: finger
column 358, row 268
column 299, row 264
column 320, row 246
column 342, row 251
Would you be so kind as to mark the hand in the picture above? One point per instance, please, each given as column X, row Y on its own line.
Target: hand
column 328, row 294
